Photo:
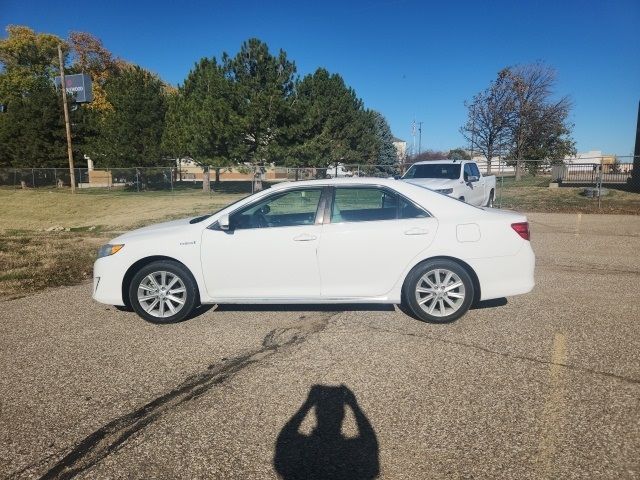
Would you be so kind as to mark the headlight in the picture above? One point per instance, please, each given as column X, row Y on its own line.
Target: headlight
column 106, row 250
column 445, row 191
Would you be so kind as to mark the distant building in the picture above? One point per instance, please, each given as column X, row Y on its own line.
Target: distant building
column 401, row 149
column 592, row 156
column 189, row 170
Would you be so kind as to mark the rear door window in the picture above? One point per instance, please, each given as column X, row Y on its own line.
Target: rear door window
column 371, row 204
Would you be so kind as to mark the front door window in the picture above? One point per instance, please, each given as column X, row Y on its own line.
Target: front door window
column 287, row 209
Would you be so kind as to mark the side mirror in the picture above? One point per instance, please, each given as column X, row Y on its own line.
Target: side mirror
column 223, row 222
column 397, row 177
column 472, row 178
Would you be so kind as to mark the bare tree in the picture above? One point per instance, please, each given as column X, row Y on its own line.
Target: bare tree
column 489, row 115
column 517, row 114
column 538, row 124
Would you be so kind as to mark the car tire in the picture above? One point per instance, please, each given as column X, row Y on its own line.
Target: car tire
column 429, row 291
column 491, row 199
column 163, row 292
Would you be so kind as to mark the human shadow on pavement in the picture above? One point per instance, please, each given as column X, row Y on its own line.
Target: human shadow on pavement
column 326, row 453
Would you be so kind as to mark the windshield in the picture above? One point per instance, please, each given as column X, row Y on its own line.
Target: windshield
column 449, row 171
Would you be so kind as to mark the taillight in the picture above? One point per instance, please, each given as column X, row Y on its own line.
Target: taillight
column 522, row 229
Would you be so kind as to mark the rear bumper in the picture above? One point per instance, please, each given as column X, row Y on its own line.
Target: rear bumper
column 506, row 276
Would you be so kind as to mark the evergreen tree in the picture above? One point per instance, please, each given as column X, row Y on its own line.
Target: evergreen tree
column 387, row 154
column 32, row 129
column 129, row 134
column 330, row 124
column 263, row 85
column 201, row 122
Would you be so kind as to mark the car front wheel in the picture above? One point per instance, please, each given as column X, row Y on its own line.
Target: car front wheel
column 438, row 291
column 163, row 292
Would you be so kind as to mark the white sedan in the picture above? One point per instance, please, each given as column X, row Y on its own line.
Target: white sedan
column 353, row 240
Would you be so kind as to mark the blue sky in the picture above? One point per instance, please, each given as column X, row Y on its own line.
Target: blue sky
column 405, row 59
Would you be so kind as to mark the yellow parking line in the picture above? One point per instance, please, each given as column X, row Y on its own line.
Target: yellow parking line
column 553, row 418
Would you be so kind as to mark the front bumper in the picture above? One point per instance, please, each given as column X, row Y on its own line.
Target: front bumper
column 108, row 276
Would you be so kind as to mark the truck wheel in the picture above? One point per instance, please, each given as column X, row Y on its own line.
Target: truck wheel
column 491, row 199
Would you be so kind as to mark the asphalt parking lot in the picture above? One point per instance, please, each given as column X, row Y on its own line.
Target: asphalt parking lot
column 545, row 385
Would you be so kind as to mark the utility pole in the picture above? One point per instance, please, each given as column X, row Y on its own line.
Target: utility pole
column 413, row 134
column 67, row 124
column 420, row 137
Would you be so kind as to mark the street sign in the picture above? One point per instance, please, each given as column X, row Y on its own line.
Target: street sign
column 78, row 87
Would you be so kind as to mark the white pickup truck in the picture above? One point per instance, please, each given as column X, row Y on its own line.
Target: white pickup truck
column 460, row 179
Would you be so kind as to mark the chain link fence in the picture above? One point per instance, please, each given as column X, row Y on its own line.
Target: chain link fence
column 594, row 171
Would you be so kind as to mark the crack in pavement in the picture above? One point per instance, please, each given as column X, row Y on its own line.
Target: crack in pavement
column 110, row 437
column 631, row 380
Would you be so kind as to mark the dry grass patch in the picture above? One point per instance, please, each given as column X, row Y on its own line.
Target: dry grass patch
column 41, row 209
column 534, row 195
column 32, row 259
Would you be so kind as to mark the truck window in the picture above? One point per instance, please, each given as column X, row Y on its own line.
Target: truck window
column 450, row 171
column 474, row 170
column 467, row 171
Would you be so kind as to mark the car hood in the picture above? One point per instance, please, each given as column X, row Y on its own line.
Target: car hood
column 432, row 183
column 155, row 229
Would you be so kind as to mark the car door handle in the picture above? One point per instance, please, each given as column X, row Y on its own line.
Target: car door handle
column 304, row 237
column 416, row 231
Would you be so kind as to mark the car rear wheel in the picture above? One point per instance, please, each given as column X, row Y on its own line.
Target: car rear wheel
column 438, row 291
column 163, row 292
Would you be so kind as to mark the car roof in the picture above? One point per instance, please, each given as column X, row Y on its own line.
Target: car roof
column 390, row 182
column 426, row 162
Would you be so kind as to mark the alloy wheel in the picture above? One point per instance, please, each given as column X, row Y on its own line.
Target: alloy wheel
column 440, row 292
column 162, row 294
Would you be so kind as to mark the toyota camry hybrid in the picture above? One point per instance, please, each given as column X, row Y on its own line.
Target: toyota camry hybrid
column 348, row 240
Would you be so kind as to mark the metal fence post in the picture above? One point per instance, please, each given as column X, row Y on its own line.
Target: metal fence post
column 137, row 180
column 599, row 183
column 501, row 182
column 33, row 178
